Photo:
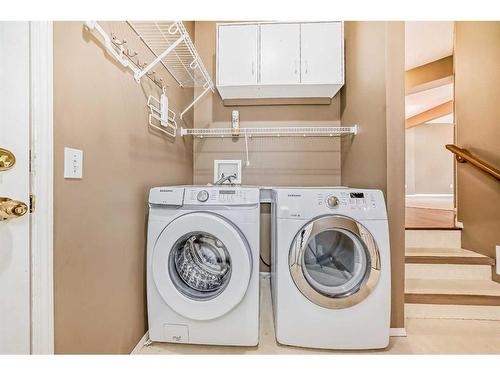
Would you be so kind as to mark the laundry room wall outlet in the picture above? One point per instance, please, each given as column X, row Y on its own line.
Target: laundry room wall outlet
column 73, row 163
column 227, row 168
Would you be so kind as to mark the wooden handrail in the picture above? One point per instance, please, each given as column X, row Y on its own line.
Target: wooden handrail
column 462, row 156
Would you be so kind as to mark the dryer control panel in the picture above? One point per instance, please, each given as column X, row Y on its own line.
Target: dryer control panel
column 355, row 200
column 306, row 203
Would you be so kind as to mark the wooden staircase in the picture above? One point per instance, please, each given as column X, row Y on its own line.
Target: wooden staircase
column 444, row 280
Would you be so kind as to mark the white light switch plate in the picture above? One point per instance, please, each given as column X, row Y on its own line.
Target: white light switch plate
column 227, row 167
column 73, row 163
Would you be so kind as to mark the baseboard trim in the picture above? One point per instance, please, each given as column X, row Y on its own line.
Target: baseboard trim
column 393, row 332
column 397, row 332
column 141, row 343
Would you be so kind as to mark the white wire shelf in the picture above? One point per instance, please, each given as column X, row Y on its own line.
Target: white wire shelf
column 171, row 44
column 182, row 61
column 304, row 131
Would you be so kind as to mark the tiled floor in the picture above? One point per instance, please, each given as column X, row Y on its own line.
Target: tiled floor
column 425, row 336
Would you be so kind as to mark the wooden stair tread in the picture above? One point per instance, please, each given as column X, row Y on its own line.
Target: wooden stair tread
column 453, row 287
column 446, row 256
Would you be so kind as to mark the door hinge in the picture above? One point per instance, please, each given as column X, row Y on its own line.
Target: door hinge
column 32, row 203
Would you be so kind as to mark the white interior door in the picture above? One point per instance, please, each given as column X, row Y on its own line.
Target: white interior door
column 322, row 53
column 237, row 55
column 14, row 184
column 280, row 53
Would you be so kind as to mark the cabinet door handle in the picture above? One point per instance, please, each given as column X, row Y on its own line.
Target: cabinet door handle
column 306, row 66
column 295, row 63
column 253, row 68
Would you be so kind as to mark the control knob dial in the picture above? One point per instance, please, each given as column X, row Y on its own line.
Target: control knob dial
column 332, row 201
column 202, row 196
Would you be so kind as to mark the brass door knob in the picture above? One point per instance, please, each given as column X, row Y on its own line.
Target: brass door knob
column 7, row 159
column 10, row 208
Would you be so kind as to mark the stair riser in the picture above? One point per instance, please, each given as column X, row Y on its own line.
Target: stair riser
column 452, row 299
column 447, row 271
column 452, row 312
column 433, row 238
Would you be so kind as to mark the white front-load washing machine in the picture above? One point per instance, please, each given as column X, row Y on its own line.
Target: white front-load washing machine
column 202, row 265
column 331, row 271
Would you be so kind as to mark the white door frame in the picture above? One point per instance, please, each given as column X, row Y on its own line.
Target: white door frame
column 42, row 146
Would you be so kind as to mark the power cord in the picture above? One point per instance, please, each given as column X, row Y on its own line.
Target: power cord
column 263, row 261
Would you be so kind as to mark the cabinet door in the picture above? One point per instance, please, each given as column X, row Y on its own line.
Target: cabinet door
column 322, row 53
column 280, row 53
column 237, row 55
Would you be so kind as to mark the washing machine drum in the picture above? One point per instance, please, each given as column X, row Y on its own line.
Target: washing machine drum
column 334, row 262
column 201, row 265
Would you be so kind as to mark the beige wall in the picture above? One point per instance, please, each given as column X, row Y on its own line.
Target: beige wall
column 373, row 98
column 429, row 166
column 477, row 111
column 100, row 221
column 273, row 162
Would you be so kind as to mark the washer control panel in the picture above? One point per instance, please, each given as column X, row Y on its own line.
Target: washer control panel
column 203, row 195
column 221, row 196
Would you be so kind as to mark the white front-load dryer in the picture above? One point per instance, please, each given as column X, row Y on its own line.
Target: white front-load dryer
column 331, row 271
column 202, row 265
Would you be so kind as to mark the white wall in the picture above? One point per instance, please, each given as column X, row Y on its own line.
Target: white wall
column 429, row 166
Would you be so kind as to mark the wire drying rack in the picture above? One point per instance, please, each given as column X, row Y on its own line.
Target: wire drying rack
column 172, row 47
column 170, row 42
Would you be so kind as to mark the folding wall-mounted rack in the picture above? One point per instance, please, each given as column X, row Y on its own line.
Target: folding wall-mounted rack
column 117, row 48
column 172, row 47
column 303, row 131
column 169, row 41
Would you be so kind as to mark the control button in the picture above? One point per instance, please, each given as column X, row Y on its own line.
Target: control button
column 333, row 201
column 202, row 196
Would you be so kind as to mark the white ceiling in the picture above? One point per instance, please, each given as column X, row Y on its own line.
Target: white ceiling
column 424, row 100
column 427, row 41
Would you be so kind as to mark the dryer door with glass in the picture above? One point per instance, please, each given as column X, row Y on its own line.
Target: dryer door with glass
column 201, row 265
column 334, row 261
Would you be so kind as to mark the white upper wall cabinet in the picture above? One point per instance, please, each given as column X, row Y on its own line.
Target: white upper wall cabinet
column 280, row 53
column 322, row 53
column 280, row 60
column 237, row 55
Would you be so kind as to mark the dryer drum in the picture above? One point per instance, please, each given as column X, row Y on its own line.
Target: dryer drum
column 334, row 261
column 203, row 263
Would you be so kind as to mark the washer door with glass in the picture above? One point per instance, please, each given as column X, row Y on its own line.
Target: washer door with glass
column 201, row 265
column 334, row 262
